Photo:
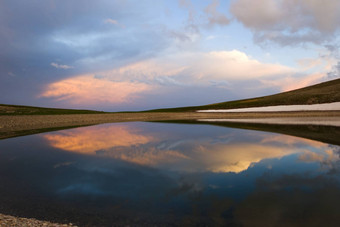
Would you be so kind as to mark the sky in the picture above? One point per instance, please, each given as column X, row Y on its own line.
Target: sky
column 117, row 55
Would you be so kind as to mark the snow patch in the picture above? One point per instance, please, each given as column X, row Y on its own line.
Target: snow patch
column 326, row 121
column 313, row 107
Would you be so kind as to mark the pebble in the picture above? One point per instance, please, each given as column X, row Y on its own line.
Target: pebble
column 11, row 221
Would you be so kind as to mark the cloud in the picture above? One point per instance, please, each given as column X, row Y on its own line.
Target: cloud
column 199, row 19
column 114, row 22
column 335, row 72
column 309, row 156
column 238, row 157
column 292, row 141
column 148, row 80
column 292, row 82
column 37, row 33
column 144, row 147
column 215, row 17
column 289, row 21
column 200, row 68
column 120, row 142
column 232, row 65
column 196, row 68
column 157, row 51
column 11, row 74
column 310, row 71
column 328, row 159
column 90, row 140
column 192, row 26
column 88, row 90
column 58, row 66
column 111, row 21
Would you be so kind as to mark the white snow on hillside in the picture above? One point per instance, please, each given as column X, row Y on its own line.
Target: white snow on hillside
column 313, row 107
column 327, row 121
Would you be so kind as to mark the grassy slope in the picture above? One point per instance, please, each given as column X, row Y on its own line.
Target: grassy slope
column 30, row 110
column 321, row 93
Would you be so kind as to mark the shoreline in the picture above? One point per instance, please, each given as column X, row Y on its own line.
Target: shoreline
column 16, row 125
column 9, row 220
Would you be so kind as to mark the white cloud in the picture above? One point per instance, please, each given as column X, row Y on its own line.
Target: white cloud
column 231, row 65
column 289, row 21
column 199, row 68
column 58, row 66
column 111, row 21
column 291, row 82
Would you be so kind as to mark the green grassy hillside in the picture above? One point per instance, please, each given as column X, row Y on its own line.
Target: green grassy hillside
column 30, row 110
column 321, row 93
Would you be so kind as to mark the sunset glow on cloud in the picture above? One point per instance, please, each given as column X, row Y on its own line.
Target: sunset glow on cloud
column 139, row 55
column 127, row 83
column 90, row 90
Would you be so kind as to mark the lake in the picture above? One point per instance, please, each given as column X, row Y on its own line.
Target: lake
column 143, row 173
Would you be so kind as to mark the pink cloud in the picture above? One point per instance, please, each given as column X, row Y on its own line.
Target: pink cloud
column 86, row 89
column 114, row 22
column 289, row 83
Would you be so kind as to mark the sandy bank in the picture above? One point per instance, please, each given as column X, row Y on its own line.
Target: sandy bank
column 14, row 125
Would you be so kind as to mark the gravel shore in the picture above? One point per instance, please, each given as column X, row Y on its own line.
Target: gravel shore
column 20, row 124
column 10, row 221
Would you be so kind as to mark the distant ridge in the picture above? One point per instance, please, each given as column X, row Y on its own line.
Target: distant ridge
column 31, row 110
column 325, row 92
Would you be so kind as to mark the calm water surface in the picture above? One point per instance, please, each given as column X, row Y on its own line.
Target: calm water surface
column 170, row 174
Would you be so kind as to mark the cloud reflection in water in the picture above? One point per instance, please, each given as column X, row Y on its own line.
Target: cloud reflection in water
column 232, row 151
column 196, row 173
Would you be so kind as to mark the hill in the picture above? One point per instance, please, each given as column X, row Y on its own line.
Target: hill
column 31, row 110
column 320, row 93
